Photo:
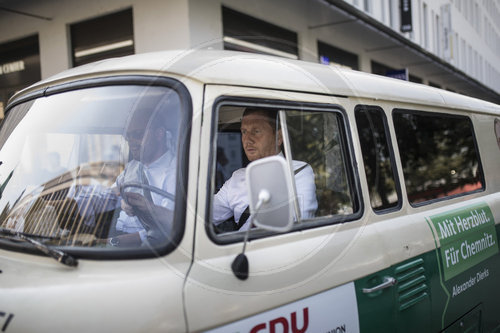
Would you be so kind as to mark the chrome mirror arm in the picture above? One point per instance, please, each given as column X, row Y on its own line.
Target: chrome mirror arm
column 240, row 264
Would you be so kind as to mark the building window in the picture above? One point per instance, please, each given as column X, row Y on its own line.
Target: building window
column 438, row 36
column 394, row 14
column 102, row 37
column 421, row 27
column 249, row 34
column 383, row 9
column 438, row 155
column 463, row 55
column 481, row 71
column 413, row 78
column 329, row 54
column 19, row 67
column 426, row 27
column 476, row 65
column 477, row 18
column 367, row 6
column 469, row 60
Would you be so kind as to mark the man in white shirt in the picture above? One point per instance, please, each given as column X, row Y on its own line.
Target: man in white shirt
column 145, row 190
column 154, row 165
column 260, row 138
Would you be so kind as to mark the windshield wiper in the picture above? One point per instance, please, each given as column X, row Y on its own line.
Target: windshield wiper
column 60, row 256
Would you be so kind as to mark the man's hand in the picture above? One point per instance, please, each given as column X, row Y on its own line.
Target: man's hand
column 153, row 217
column 134, row 203
column 127, row 208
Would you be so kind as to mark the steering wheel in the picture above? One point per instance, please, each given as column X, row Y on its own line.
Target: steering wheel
column 149, row 188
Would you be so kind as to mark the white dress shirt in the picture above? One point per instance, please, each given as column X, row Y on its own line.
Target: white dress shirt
column 160, row 174
column 232, row 198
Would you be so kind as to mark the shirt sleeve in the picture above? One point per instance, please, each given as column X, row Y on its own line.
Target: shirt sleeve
column 221, row 209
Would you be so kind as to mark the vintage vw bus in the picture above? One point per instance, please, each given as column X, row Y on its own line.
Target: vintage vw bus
column 109, row 173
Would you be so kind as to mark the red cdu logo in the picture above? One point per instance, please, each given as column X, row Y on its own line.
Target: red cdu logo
column 283, row 325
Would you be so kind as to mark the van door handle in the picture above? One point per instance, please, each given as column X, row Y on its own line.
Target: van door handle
column 388, row 282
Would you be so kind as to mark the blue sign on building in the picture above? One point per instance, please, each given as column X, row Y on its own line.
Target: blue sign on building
column 401, row 74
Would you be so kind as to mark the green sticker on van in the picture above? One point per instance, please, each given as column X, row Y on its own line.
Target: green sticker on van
column 467, row 237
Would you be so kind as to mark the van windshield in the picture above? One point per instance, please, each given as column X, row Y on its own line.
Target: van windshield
column 93, row 168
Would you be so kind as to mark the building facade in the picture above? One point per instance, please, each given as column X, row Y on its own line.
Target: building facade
column 450, row 44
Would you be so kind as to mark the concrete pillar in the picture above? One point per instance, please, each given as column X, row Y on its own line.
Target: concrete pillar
column 161, row 25
column 365, row 64
column 55, row 53
column 205, row 18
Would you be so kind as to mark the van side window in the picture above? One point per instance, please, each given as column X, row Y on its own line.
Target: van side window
column 380, row 172
column 320, row 159
column 438, row 155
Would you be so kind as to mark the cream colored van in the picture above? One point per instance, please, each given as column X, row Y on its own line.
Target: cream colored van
column 111, row 177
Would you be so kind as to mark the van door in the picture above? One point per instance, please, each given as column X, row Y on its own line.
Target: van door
column 398, row 299
column 410, row 297
column 300, row 281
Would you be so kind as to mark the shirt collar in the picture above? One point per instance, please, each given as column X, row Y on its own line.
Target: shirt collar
column 163, row 161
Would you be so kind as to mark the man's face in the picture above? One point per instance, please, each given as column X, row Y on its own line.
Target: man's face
column 141, row 141
column 258, row 137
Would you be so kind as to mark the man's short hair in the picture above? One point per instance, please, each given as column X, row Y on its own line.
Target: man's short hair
column 150, row 118
column 269, row 114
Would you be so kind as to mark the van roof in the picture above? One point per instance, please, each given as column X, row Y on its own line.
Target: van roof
column 255, row 70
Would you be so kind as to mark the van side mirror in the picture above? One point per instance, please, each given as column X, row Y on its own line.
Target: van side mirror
column 270, row 200
column 270, row 194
